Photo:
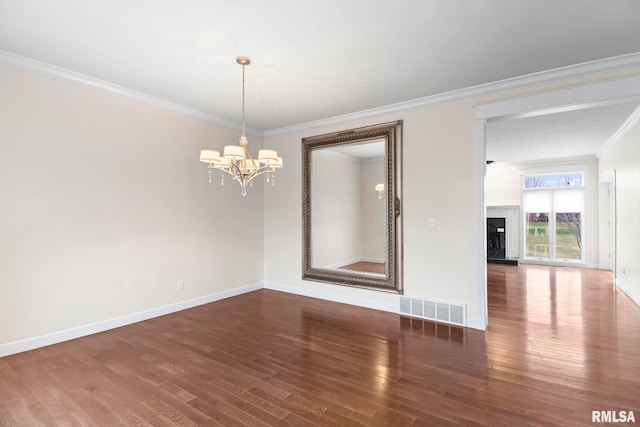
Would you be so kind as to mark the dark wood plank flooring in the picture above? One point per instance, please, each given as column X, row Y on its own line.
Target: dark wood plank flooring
column 561, row 343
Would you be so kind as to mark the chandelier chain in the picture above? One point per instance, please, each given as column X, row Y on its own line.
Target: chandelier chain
column 243, row 120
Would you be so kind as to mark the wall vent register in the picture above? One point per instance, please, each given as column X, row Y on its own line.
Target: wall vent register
column 438, row 311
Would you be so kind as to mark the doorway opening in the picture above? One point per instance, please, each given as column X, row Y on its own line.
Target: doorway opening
column 608, row 93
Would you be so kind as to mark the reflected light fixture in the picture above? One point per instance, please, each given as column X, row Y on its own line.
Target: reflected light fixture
column 380, row 190
column 236, row 159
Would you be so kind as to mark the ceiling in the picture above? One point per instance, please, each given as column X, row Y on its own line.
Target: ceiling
column 314, row 60
column 364, row 152
column 575, row 133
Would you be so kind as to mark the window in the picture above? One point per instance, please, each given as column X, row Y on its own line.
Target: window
column 554, row 181
column 553, row 207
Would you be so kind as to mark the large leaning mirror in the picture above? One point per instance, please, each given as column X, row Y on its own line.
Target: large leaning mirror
column 352, row 216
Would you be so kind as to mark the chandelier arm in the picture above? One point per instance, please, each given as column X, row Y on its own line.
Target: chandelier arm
column 225, row 169
column 247, row 178
column 263, row 170
column 236, row 171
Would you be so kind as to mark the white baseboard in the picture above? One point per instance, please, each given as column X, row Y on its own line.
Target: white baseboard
column 635, row 298
column 329, row 296
column 479, row 321
column 92, row 328
column 557, row 263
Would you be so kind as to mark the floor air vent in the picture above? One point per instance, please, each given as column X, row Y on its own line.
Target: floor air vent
column 434, row 310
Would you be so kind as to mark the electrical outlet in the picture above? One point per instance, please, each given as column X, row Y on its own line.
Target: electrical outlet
column 181, row 285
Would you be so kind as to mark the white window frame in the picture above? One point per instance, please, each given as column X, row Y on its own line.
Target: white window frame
column 556, row 170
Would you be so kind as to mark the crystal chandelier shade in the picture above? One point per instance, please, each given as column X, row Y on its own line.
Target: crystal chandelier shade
column 236, row 160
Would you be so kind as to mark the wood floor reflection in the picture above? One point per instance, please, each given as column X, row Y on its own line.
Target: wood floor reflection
column 365, row 267
column 561, row 343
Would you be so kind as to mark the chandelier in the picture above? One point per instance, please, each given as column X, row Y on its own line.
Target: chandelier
column 236, row 159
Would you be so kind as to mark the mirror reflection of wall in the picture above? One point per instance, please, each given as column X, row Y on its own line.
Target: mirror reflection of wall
column 373, row 211
column 349, row 225
column 335, row 210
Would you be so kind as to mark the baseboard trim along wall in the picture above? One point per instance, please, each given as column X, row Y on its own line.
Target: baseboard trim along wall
column 479, row 321
column 92, row 328
column 329, row 296
column 635, row 298
column 475, row 322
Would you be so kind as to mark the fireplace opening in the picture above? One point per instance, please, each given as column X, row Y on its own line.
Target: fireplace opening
column 496, row 242
column 496, row 238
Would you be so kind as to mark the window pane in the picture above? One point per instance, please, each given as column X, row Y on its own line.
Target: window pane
column 537, row 238
column 563, row 180
column 569, row 235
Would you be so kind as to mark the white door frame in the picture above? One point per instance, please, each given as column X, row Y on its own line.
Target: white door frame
column 607, row 223
column 575, row 98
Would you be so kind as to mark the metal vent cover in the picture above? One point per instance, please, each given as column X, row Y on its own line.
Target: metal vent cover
column 438, row 311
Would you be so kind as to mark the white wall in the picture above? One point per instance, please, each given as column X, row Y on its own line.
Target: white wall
column 624, row 158
column 373, row 211
column 336, row 210
column 503, row 185
column 105, row 206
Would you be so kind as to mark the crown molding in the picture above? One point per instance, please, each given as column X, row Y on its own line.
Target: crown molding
column 555, row 161
column 11, row 60
column 549, row 76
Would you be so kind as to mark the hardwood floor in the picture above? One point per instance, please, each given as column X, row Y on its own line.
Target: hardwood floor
column 561, row 343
